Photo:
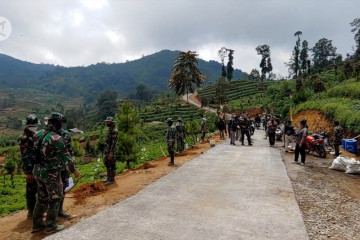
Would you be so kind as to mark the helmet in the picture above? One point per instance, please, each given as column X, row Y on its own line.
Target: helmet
column 32, row 120
column 56, row 116
column 110, row 119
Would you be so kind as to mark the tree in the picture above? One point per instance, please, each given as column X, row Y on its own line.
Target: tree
column 265, row 64
column 297, row 53
column 106, row 104
column 222, row 54
column 348, row 69
column 12, row 161
column 254, row 74
column 142, row 92
column 298, row 84
column 356, row 30
column 185, row 74
column 204, row 102
column 229, row 67
column 357, row 71
column 304, row 57
column 323, row 53
column 318, row 84
column 128, row 125
column 221, row 89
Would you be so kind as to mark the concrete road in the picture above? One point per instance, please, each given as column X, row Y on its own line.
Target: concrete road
column 213, row 110
column 229, row 192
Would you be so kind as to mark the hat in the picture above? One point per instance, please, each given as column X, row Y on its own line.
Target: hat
column 179, row 119
column 32, row 120
column 203, row 119
column 55, row 116
column 169, row 120
column 110, row 119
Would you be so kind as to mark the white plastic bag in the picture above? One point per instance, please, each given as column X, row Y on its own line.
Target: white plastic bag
column 353, row 167
column 339, row 164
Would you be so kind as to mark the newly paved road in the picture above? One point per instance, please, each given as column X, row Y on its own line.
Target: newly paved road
column 229, row 192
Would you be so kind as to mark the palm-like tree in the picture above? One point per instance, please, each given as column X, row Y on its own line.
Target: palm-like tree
column 185, row 74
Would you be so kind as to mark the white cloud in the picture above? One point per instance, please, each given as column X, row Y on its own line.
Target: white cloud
column 93, row 4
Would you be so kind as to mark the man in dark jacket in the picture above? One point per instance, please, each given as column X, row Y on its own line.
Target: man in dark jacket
column 338, row 137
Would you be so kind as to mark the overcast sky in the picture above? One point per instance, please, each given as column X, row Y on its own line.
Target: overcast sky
column 84, row 32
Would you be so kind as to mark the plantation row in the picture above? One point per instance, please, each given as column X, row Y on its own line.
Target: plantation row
column 236, row 90
column 161, row 113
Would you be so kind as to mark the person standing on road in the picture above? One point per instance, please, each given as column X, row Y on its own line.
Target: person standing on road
column 53, row 155
column 289, row 136
column 245, row 130
column 170, row 140
column 180, row 136
column 233, row 128
column 27, row 150
column 338, row 137
column 271, row 127
column 203, row 129
column 222, row 128
column 301, row 143
column 110, row 150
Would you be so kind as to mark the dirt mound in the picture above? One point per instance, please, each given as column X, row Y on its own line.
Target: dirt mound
column 146, row 165
column 316, row 120
column 88, row 190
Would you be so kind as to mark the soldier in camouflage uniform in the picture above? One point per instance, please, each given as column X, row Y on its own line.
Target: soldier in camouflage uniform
column 110, row 150
column 53, row 155
column 338, row 137
column 180, row 136
column 245, row 130
column 170, row 140
column 65, row 174
column 27, row 149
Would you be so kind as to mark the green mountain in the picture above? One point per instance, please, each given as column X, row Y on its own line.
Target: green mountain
column 153, row 70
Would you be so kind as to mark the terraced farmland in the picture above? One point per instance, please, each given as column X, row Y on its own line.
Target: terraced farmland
column 236, row 90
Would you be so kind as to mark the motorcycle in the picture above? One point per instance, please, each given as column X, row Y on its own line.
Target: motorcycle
column 316, row 143
column 278, row 134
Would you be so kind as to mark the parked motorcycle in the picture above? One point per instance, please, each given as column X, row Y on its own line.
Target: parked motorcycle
column 278, row 134
column 316, row 143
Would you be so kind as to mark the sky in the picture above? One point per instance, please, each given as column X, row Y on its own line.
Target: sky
column 84, row 32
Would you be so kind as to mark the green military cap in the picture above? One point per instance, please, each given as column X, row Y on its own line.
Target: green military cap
column 110, row 119
column 32, row 120
column 169, row 120
column 56, row 116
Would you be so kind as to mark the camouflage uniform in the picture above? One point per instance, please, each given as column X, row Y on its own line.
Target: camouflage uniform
column 53, row 157
column 65, row 174
column 180, row 136
column 27, row 149
column 110, row 147
column 170, row 140
column 338, row 137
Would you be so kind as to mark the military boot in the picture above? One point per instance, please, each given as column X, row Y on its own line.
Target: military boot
column 107, row 176
column 30, row 203
column 51, row 220
column 38, row 223
column 62, row 213
column 111, row 178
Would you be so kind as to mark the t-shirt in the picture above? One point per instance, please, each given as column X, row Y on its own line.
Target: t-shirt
column 289, row 130
column 302, row 133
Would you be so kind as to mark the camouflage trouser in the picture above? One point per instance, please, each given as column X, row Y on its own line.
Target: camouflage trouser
column 180, row 144
column 110, row 164
column 50, row 189
column 31, row 190
column 65, row 179
column 170, row 147
column 247, row 133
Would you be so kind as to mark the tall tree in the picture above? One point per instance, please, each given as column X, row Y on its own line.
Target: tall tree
column 106, row 104
column 265, row 64
column 222, row 54
column 229, row 67
column 297, row 53
column 185, row 74
column 356, row 30
column 304, row 56
column 142, row 92
column 323, row 54
column 127, row 123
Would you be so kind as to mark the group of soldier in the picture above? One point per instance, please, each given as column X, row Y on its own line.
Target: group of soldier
column 47, row 159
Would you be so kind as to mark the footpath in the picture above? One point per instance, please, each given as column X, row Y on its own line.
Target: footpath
column 229, row 192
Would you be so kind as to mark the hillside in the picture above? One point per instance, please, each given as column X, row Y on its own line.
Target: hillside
column 153, row 70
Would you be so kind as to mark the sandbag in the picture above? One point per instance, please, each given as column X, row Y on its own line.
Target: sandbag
column 340, row 164
column 353, row 167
